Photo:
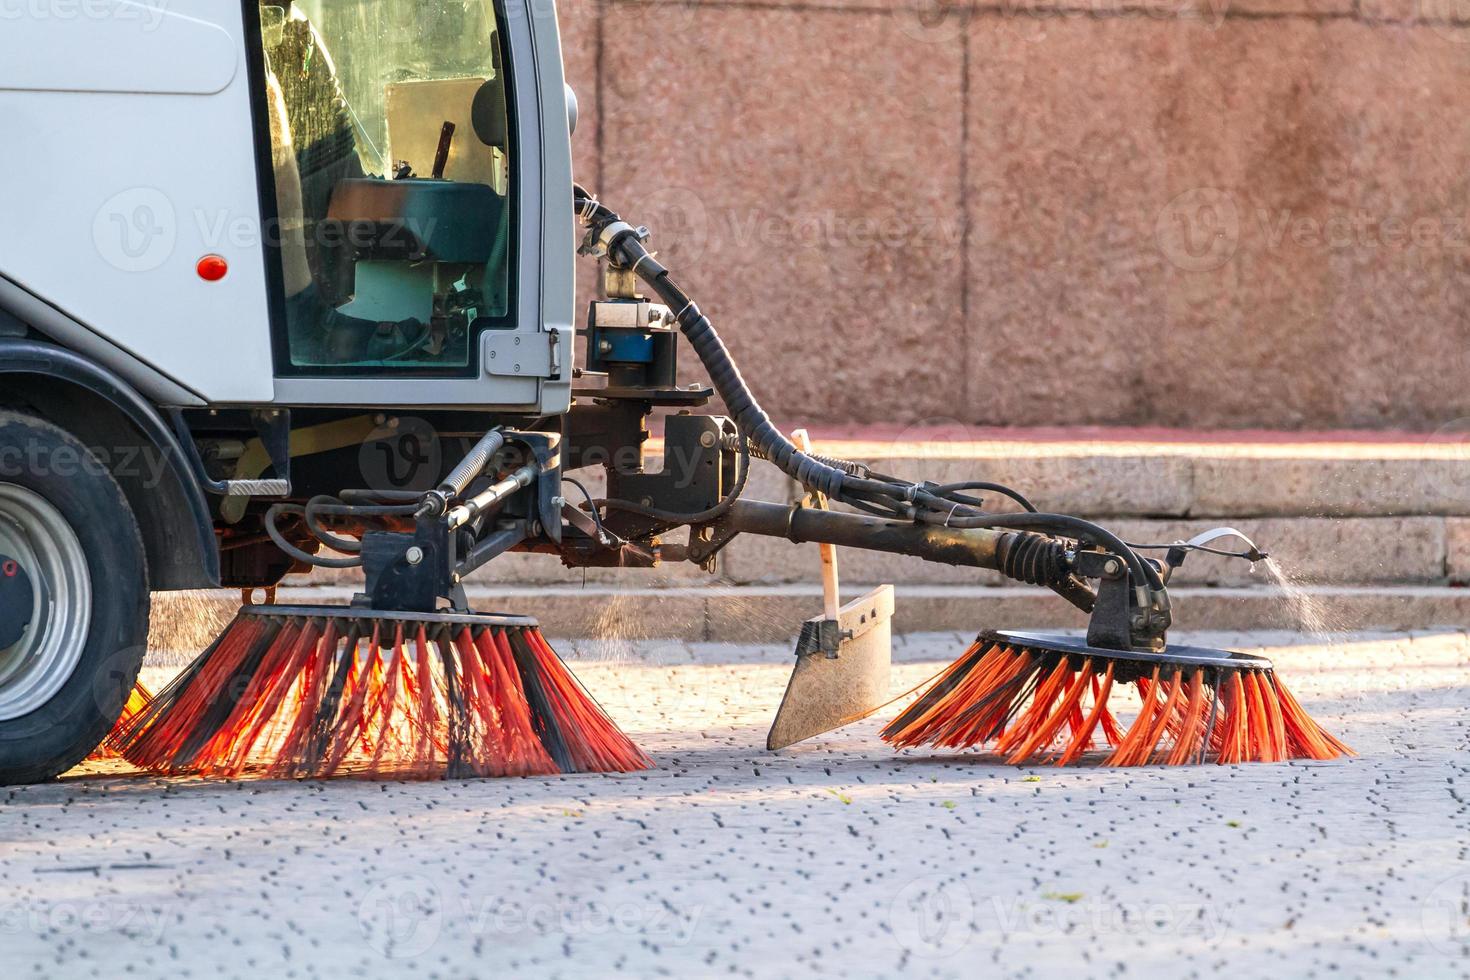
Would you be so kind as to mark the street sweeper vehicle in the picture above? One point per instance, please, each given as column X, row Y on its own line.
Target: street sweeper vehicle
column 291, row 285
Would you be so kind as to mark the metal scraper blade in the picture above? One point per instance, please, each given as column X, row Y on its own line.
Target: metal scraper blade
column 832, row 687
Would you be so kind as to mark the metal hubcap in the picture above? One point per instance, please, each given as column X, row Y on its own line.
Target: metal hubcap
column 45, row 552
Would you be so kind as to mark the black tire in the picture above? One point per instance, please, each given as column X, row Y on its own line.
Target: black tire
column 63, row 729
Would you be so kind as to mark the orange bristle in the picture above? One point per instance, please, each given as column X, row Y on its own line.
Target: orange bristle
column 1048, row 701
column 138, row 700
column 317, row 694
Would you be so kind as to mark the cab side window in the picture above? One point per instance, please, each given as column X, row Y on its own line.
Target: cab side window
column 390, row 140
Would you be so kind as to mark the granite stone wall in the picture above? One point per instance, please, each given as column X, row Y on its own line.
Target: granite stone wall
column 1199, row 213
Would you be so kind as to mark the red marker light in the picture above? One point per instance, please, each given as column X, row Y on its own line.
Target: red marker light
column 213, row 268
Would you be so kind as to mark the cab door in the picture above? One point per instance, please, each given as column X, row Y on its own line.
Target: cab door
column 421, row 242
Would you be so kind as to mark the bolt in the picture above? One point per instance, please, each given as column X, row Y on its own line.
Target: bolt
column 707, row 439
column 415, row 555
column 1111, row 566
column 604, row 347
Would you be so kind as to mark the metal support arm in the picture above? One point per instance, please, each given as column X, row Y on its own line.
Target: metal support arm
column 975, row 548
column 1012, row 553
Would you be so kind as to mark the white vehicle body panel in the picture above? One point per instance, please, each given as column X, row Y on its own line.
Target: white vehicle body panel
column 129, row 127
column 131, row 131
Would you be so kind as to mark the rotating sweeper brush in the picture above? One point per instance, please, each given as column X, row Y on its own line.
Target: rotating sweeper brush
column 1037, row 698
column 317, row 692
column 386, row 378
column 393, row 687
column 1033, row 697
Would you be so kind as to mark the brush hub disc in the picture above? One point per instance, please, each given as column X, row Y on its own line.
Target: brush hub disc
column 1174, row 655
column 365, row 618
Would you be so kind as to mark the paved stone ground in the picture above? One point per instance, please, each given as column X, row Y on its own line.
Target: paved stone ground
column 833, row 858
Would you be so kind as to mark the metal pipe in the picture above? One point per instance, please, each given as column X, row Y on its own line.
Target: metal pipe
column 1003, row 551
column 971, row 547
column 483, row 501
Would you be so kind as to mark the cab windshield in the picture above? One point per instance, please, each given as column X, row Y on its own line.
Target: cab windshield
column 390, row 140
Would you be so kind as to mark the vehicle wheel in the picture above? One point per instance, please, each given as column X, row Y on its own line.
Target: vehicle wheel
column 73, row 601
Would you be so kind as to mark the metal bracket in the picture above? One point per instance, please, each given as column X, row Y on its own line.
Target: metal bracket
column 1118, row 622
column 408, row 572
column 696, row 472
column 1111, row 622
column 704, row 551
column 273, row 426
column 824, row 636
column 518, row 355
column 583, row 521
column 256, row 488
column 545, row 448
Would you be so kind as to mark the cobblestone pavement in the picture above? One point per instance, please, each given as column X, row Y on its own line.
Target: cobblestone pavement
column 834, row 858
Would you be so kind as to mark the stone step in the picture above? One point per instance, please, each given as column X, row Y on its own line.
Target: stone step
column 1176, row 473
column 773, row 613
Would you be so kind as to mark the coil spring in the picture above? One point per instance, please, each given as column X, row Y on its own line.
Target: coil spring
column 1032, row 558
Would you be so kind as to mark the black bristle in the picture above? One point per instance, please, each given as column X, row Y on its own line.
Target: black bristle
column 166, row 698
column 540, row 703
column 1029, row 682
column 222, row 706
column 458, row 722
column 315, row 751
column 937, row 692
column 1212, row 681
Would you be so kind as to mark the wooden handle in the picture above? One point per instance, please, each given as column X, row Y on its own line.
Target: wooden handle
column 831, row 591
